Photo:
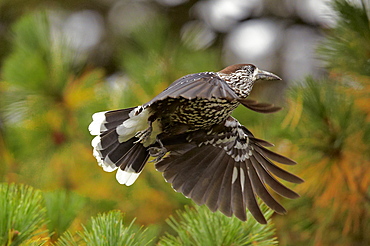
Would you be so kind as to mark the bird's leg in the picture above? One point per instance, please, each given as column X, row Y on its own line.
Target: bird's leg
column 157, row 152
column 145, row 134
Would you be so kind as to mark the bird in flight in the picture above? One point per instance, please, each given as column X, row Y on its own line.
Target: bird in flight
column 203, row 151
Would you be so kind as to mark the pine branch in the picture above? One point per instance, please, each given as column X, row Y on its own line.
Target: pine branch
column 68, row 202
column 347, row 49
column 21, row 213
column 109, row 229
column 200, row 226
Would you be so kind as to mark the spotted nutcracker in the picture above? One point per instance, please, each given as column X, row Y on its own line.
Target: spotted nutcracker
column 211, row 158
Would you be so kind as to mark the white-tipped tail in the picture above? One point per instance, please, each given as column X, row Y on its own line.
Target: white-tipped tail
column 105, row 163
column 96, row 143
column 97, row 125
column 126, row 177
column 115, row 146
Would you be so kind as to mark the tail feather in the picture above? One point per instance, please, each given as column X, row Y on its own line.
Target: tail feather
column 118, row 115
column 107, row 120
column 132, row 163
column 135, row 158
column 104, row 140
column 113, row 147
column 116, row 154
column 128, row 156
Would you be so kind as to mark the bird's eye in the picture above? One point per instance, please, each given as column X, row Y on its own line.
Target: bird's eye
column 249, row 69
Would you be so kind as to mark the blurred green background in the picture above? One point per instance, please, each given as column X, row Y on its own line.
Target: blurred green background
column 62, row 61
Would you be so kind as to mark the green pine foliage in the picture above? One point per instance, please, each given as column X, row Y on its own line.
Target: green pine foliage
column 26, row 212
column 199, row 226
column 333, row 162
column 21, row 214
column 110, row 229
column 62, row 208
column 347, row 47
column 330, row 119
column 47, row 98
column 37, row 69
column 68, row 239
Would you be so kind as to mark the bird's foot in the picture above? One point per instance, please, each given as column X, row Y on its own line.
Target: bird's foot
column 158, row 152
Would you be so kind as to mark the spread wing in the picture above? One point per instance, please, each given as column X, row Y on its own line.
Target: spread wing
column 199, row 85
column 226, row 168
column 208, row 85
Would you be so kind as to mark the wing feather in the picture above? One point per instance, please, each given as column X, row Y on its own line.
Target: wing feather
column 226, row 168
column 238, row 201
column 225, row 192
column 199, row 85
column 250, row 198
column 212, row 195
column 193, row 185
column 189, row 180
column 174, row 173
column 261, row 191
column 272, row 182
column 259, row 107
column 274, row 156
column 208, row 180
column 279, row 172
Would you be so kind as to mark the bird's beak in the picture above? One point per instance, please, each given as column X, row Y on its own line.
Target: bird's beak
column 264, row 75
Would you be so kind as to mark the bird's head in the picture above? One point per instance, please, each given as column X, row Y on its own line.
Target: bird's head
column 241, row 77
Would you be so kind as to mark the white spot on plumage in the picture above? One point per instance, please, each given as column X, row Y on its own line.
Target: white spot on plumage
column 106, row 164
column 97, row 125
column 132, row 179
column 136, row 122
column 239, row 145
column 228, row 123
column 96, row 143
column 241, row 133
column 108, row 168
column 126, row 177
column 235, row 175
column 135, row 111
column 231, row 123
column 242, row 178
column 129, row 123
column 108, row 161
column 225, row 140
column 219, row 141
column 97, row 154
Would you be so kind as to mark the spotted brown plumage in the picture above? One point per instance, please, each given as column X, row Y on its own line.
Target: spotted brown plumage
column 202, row 151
